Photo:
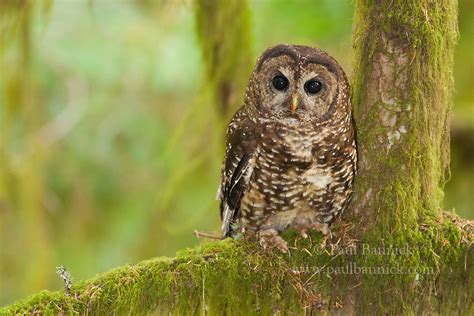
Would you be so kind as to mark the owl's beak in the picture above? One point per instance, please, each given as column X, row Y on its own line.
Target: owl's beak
column 294, row 103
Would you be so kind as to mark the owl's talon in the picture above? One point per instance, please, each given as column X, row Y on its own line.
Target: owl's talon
column 323, row 228
column 303, row 233
column 269, row 239
column 283, row 247
column 330, row 234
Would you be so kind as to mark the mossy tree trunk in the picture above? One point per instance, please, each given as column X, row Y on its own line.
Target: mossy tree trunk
column 396, row 251
column 402, row 95
column 21, row 156
column 223, row 29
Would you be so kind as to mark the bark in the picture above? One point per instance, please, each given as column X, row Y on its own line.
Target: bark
column 402, row 101
column 395, row 253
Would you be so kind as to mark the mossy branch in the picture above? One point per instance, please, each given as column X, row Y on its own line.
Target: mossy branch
column 235, row 277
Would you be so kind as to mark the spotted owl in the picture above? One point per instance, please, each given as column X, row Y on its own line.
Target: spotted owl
column 291, row 153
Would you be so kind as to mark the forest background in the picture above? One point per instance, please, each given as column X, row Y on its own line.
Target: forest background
column 110, row 139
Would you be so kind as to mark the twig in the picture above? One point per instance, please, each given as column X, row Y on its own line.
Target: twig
column 198, row 234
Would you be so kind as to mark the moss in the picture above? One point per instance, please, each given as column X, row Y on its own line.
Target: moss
column 238, row 278
column 402, row 95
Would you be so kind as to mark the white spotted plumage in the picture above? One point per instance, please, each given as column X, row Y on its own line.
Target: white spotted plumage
column 287, row 168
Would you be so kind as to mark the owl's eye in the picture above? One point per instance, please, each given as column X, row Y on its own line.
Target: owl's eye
column 313, row 86
column 280, row 82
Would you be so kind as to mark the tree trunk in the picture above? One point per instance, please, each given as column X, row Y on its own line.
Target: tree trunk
column 402, row 99
column 396, row 253
column 223, row 29
column 21, row 156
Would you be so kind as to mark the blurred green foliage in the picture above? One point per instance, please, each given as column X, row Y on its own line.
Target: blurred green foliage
column 108, row 150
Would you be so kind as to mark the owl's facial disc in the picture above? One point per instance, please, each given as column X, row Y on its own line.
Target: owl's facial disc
column 274, row 83
column 304, row 92
column 317, row 86
column 294, row 82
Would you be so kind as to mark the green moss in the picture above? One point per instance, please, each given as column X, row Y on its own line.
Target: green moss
column 403, row 82
column 238, row 278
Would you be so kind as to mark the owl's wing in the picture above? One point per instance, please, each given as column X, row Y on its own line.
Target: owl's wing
column 237, row 167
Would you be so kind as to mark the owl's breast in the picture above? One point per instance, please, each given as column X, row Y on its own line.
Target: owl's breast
column 298, row 178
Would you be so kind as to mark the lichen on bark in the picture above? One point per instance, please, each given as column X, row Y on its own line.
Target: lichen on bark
column 402, row 95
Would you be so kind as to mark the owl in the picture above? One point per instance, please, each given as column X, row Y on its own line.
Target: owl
column 291, row 154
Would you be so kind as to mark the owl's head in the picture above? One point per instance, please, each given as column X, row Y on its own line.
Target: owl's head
column 297, row 83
